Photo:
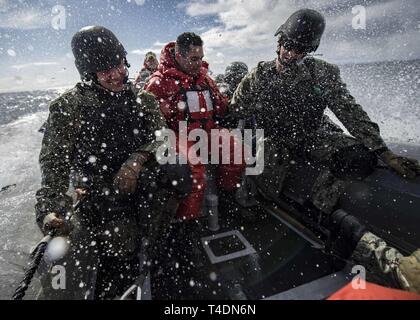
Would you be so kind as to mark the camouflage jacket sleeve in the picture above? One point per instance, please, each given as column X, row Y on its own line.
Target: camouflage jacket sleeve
column 55, row 159
column 347, row 110
column 245, row 97
column 154, row 121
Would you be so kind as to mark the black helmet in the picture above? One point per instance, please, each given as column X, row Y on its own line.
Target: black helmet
column 237, row 68
column 235, row 72
column 219, row 78
column 95, row 49
column 302, row 30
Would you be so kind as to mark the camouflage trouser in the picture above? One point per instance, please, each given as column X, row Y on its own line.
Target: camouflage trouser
column 71, row 276
column 380, row 259
column 103, row 259
column 387, row 263
column 178, row 262
column 279, row 163
column 327, row 188
column 101, row 262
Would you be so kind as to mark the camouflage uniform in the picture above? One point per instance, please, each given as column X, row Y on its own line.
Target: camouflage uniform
column 383, row 260
column 64, row 146
column 290, row 107
column 91, row 133
column 146, row 72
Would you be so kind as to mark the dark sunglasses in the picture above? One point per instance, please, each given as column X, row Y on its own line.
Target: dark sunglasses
column 291, row 45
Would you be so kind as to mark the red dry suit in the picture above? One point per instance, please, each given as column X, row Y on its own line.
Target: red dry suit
column 199, row 102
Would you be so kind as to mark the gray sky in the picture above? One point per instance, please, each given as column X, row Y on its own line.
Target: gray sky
column 34, row 55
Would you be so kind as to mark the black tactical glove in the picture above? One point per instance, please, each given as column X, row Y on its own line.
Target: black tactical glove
column 405, row 167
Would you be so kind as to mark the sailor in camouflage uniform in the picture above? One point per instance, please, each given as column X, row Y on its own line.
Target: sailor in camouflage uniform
column 150, row 65
column 288, row 97
column 105, row 135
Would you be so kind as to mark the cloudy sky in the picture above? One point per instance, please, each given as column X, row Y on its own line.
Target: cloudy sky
column 35, row 35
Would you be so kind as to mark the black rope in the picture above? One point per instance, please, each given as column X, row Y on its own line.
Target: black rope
column 29, row 273
column 36, row 256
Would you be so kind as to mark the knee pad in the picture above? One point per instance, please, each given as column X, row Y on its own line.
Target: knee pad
column 353, row 162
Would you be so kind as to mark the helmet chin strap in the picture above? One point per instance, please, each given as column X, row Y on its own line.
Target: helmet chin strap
column 127, row 65
column 94, row 79
column 126, row 78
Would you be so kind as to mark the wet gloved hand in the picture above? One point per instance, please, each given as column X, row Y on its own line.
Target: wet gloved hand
column 53, row 221
column 125, row 180
column 410, row 269
column 80, row 193
column 405, row 167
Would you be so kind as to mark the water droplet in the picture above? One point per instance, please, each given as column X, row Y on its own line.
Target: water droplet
column 92, row 159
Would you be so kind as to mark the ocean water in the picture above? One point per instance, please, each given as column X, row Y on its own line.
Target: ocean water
column 389, row 92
